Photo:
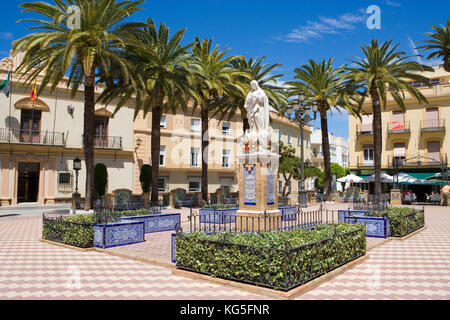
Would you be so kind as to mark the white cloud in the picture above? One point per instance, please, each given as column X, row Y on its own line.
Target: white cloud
column 420, row 59
column 6, row 35
column 326, row 25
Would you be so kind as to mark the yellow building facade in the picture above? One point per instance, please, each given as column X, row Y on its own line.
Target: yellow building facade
column 416, row 137
column 180, row 156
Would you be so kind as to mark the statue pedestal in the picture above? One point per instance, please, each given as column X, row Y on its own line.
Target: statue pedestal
column 258, row 193
column 396, row 197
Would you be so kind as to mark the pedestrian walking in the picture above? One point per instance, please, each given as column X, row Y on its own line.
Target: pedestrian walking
column 445, row 195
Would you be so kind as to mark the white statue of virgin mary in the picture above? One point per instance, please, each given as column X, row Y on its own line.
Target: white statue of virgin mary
column 258, row 109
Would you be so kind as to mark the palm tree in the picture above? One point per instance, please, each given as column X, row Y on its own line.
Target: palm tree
column 440, row 44
column 267, row 81
column 324, row 85
column 215, row 81
column 381, row 71
column 160, row 65
column 82, row 54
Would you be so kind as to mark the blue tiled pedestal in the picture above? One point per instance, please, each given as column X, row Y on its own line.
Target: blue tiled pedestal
column 118, row 234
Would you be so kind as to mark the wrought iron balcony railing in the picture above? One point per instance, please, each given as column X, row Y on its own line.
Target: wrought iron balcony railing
column 399, row 128
column 364, row 130
column 106, row 142
column 416, row 162
column 437, row 125
column 33, row 137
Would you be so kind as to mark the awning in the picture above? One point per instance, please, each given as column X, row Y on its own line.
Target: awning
column 422, row 175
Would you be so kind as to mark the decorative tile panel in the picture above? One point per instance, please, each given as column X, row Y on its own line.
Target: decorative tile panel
column 157, row 222
column 218, row 216
column 118, row 234
column 288, row 213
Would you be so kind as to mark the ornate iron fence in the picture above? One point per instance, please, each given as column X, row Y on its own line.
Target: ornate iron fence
column 58, row 229
column 219, row 220
column 279, row 269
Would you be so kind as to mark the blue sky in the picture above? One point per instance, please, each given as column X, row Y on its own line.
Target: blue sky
column 289, row 32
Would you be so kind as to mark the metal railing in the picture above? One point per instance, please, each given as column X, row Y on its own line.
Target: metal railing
column 437, row 125
column 280, row 269
column 221, row 220
column 399, row 128
column 20, row 136
column 360, row 131
column 107, row 142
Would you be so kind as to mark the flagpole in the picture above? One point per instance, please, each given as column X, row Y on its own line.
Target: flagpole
column 11, row 78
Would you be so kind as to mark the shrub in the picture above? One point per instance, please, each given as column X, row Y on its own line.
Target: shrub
column 78, row 230
column 403, row 221
column 146, row 178
column 100, row 179
column 279, row 260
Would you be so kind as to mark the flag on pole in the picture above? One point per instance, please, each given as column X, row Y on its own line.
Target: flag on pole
column 34, row 93
column 5, row 85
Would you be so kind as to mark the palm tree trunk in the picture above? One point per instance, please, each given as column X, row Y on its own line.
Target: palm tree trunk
column 156, row 149
column 88, row 139
column 326, row 152
column 205, row 152
column 377, row 142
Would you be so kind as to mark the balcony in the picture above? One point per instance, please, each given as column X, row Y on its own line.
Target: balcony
column 364, row 130
column 104, row 142
column 427, row 126
column 365, row 163
column 31, row 137
column 399, row 128
column 417, row 162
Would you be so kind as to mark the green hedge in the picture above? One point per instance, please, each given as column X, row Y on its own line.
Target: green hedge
column 78, row 230
column 405, row 221
column 278, row 260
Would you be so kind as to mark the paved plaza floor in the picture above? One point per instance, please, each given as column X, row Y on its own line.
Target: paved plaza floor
column 416, row 268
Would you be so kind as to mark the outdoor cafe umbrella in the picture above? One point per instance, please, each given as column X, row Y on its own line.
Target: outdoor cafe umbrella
column 350, row 178
column 385, row 178
column 406, row 178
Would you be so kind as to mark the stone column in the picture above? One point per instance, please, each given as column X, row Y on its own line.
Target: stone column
column 5, row 199
column 50, row 199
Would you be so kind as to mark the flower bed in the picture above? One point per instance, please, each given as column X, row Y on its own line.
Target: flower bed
column 277, row 260
column 404, row 221
column 78, row 230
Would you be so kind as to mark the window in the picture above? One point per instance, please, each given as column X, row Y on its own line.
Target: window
column 368, row 154
column 226, row 128
column 196, row 125
column 367, row 124
column 101, row 132
column 162, row 156
column 195, row 184
column 434, row 152
column 195, row 157
column 398, row 120
column 289, row 138
column 30, row 126
column 163, row 122
column 225, row 158
column 280, row 135
column 400, row 153
column 162, row 184
column 65, row 182
column 299, row 141
column 432, row 118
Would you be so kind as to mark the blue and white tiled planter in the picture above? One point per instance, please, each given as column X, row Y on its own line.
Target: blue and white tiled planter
column 377, row 227
column 157, row 222
column 118, row 234
column 218, row 216
column 288, row 213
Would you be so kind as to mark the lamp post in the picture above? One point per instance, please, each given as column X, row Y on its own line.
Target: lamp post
column 301, row 114
column 76, row 196
column 445, row 169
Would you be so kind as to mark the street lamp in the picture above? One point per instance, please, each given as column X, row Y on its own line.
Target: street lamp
column 445, row 169
column 76, row 196
column 301, row 114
